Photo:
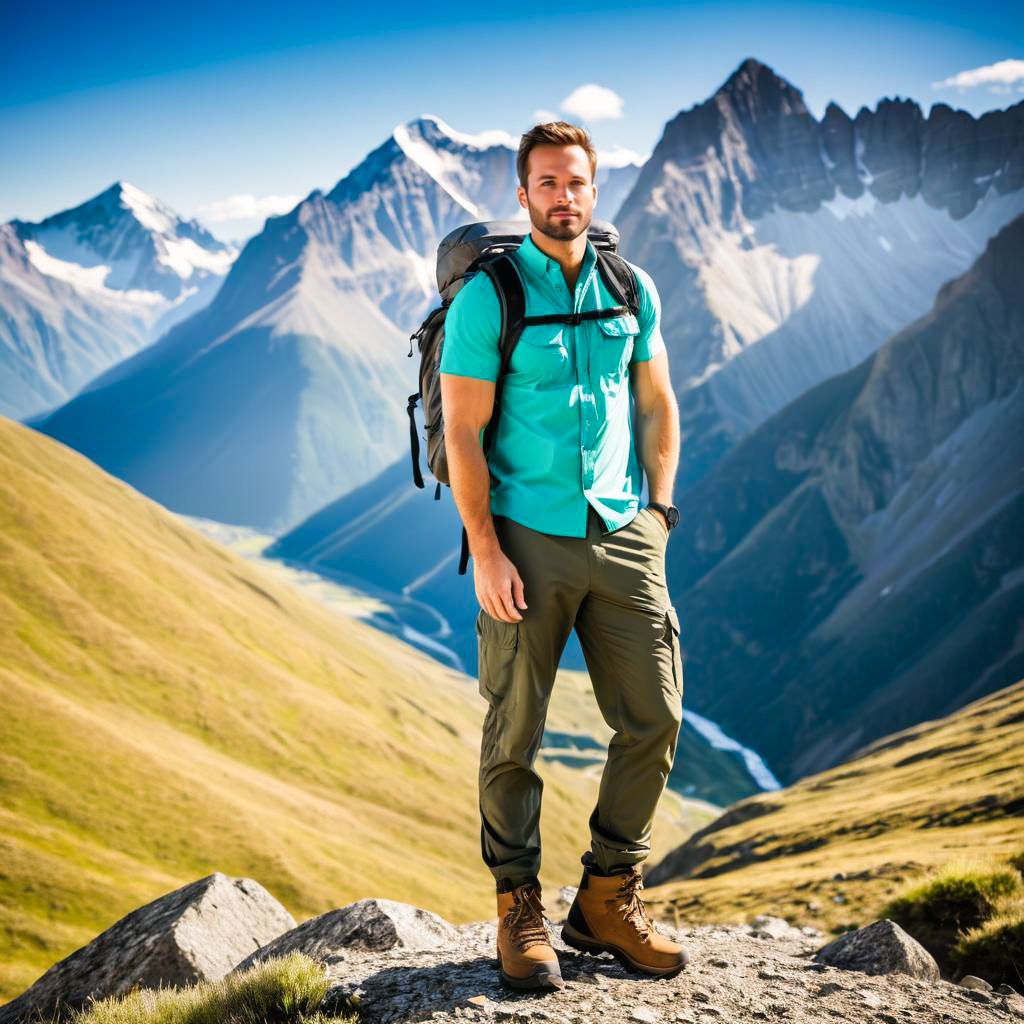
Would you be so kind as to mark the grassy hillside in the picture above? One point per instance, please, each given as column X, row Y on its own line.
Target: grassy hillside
column 833, row 848
column 169, row 709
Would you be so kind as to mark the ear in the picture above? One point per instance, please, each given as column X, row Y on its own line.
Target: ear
column 521, row 195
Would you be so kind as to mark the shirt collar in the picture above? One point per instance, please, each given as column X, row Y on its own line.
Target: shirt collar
column 539, row 263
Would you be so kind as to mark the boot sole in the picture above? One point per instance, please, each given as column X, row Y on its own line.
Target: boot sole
column 542, row 977
column 585, row 944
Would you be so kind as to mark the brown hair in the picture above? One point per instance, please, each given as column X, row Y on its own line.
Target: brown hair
column 555, row 133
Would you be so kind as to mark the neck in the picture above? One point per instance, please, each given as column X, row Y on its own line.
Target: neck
column 568, row 255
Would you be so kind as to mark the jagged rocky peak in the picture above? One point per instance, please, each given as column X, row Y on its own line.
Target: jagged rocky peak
column 755, row 138
column 756, row 90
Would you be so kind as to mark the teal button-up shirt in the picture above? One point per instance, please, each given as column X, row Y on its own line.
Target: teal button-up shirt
column 565, row 434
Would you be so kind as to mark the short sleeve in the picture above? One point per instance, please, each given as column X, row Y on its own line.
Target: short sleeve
column 471, row 331
column 649, row 342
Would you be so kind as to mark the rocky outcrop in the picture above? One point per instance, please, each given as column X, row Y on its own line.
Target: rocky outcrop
column 373, row 925
column 196, row 933
column 881, row 948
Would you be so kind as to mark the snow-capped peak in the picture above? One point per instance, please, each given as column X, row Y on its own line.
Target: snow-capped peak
column 482, row 140
column 148, row 211
column 138, row 242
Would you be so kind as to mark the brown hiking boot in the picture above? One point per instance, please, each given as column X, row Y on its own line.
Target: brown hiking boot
column 525, row 956
column 608, row 916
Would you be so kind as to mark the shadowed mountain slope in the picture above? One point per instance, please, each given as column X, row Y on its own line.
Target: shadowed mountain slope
column 856, row 564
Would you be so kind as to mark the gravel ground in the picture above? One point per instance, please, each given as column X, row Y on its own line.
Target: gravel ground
column 737, row 974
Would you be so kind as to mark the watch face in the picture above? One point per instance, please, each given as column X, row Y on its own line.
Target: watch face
column 673, row 517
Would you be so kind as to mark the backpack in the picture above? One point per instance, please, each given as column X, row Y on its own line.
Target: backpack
column 486, row 248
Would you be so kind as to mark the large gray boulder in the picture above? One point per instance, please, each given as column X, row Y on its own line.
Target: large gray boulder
column 370, row 925
column 880, row 948
column 196, row 933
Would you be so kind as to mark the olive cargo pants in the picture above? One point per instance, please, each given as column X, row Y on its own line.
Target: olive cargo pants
column 611, row 587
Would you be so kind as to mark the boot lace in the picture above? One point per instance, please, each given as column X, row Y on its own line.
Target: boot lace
column 525, row 921
column 627, row 901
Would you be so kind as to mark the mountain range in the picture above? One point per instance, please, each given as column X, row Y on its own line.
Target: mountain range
column 786, row 250
column 289, row 387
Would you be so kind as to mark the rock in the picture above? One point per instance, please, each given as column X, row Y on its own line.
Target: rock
column 880, row 948
column 644, row 1013
column 766, row 927
column 977, row 995
column 370, row 924
column 567, row 894
column 1006, row 990
column 970, row 981
column 196, row 933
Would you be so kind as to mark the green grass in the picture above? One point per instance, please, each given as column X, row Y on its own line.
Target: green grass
column 994, row 950
column 959, row 898
column 170, row 710
column 907, row 805
column 288, row 990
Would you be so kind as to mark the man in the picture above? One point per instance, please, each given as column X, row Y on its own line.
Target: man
column 559, row 540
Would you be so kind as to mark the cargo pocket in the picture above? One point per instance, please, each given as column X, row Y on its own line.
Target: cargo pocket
column 672, row 638
column 497, row 644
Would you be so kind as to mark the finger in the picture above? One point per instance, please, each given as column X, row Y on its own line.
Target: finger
column 518, row 591
column 511, row 612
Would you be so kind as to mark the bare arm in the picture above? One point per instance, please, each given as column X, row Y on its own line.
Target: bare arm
column 466, row 405
column 657, row 425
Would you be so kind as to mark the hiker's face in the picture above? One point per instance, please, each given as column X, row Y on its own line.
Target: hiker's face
column 560, row 193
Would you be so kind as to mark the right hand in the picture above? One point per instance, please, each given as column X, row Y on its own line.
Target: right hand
column 499, row 588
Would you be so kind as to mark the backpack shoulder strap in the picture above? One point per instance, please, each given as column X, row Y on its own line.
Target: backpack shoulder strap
column 619, row 279
column 508, row 286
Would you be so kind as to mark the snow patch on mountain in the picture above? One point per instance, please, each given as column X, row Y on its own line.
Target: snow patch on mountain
column 441, row 166
column 87, row 279
column 482, row 140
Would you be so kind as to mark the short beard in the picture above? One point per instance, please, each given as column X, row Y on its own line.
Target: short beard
column 564, row 233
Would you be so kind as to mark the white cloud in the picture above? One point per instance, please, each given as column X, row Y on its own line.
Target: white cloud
column 619, row 156
column 245, row 207
column 999, row 77
column 592, row 103
column 545, row 116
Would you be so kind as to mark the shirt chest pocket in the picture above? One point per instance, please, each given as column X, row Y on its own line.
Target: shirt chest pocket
column 616, row 340
column 541, row 360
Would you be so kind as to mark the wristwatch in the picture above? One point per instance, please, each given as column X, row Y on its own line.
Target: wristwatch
column 670, row 512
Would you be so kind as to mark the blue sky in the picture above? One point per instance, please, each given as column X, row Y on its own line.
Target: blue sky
column 195, row 103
